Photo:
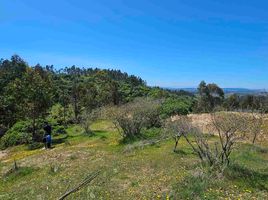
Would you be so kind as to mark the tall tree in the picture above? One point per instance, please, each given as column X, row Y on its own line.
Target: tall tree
column 35, row 91
column 232, row 102
column 10, row 71
column 210, row 96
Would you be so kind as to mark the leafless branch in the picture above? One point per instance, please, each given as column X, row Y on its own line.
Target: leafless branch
column 85, row 182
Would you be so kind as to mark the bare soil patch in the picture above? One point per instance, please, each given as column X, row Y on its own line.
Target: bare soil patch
column 3, row 154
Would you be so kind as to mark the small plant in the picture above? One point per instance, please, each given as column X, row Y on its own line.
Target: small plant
column 15, row 166
column 54, row 168
column 73, row 157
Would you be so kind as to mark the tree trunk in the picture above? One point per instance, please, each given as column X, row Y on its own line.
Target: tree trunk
column 254, row 138
column 176, row 138
column 64, row 115
column 34, row 129
column 76, row 109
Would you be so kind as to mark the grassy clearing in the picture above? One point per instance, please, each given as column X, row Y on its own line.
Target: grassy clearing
column 147, row 172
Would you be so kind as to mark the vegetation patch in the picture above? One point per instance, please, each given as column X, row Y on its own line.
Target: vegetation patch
column 249, row 178
column 15, row 174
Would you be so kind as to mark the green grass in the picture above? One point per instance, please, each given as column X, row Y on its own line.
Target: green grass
column 145, row 172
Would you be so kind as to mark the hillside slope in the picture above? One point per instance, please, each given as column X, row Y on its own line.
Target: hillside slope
column 146, row 172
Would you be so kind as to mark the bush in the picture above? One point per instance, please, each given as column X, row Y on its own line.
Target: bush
column 57, row 114
column 131, row 118
column 175, row 106
column 3, row 129
column 151, row 133
column 87, row 119
column 58, row 130
column 20, row 133
column 35, row 145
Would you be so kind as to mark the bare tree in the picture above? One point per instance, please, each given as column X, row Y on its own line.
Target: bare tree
column 256, row 123
column 198, row 141
column 230, row 127
column 178, row 128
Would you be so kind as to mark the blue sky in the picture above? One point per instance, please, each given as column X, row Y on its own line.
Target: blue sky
column 172, row 43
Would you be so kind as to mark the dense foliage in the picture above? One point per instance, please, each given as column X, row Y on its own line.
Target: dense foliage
column 247, row 102
column 67, row 95
column 176, row 106
column 211, row 97
column 18, row 134
column 70, row 95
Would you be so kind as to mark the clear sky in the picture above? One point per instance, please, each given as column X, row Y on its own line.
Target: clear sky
column 171, row 43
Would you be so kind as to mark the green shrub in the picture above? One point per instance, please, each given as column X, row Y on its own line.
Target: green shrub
column 19, row 133
column 58, row 130
column 3, row 129
column 35, row 145
column 175, row 106
column 57, row 120
column 57, row 114
column 151, row 132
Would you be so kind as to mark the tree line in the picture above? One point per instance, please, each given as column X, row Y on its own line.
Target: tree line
column 211, row 96
column 32, row 94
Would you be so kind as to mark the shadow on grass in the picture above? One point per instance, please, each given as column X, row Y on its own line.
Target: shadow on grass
column 101, row 134
column 181, row 152
column 128, row 140
column 260, row 149
column 61, row 140
column 249, row 177
column 96, row 133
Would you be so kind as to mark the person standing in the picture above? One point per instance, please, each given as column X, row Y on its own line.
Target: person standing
column 47, row 137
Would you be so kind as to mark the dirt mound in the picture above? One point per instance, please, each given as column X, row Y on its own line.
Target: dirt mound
column 202, row 121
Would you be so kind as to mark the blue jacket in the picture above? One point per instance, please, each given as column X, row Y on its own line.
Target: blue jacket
column 48, row 139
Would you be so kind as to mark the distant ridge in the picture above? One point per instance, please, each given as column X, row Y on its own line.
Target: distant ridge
column 226, row 90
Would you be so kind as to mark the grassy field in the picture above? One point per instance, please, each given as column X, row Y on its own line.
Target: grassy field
column 129, row 171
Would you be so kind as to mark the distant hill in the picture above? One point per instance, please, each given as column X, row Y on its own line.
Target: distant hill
column 242, row 91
